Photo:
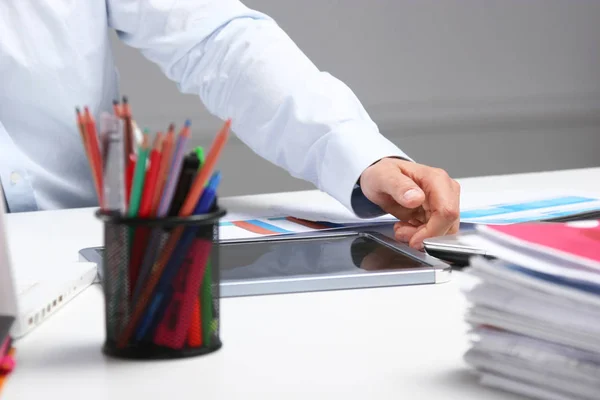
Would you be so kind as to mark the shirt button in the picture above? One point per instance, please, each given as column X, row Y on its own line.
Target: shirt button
column 15, row 177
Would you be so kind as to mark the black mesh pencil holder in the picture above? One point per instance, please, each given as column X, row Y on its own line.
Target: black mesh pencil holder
column 161, row 285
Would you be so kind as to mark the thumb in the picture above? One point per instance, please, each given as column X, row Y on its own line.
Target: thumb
column 404, row 191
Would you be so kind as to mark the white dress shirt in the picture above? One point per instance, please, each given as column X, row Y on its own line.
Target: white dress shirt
column 55, row 55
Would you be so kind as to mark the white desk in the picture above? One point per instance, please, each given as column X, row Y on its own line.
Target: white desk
column 392, row 343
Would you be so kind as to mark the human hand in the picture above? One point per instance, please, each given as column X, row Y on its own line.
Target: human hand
column 424, row 199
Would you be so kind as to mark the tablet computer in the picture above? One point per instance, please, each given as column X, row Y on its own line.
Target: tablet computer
column 317, row 262
column 454, row 249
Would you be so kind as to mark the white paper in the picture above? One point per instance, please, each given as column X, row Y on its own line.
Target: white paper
column 495, row 272
column 330, row 210
column 480, row 315
column 568, row 316
column 534, row 261
column 561, row 379
column 554, row 355
column 523, row 388
column 242, row 226
column 534, row 389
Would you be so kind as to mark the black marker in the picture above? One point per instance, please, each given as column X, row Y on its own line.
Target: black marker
column 190, row 166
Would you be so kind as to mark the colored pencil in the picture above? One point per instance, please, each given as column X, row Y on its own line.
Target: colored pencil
column 167, row 156
column 151, row 177
column 126, row 114
column 138, row 178
column 94, row 152
column 81, row 126
column 173, row 178
column 129, row 171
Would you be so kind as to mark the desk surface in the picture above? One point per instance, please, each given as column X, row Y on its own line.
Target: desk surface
column 395, row 343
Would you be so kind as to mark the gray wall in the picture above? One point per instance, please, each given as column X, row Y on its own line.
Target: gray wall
column 476, row 87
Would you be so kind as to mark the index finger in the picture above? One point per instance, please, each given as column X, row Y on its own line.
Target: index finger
column 443, row 200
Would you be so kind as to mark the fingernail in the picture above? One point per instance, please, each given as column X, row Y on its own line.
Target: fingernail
column 417, row 246
column 412, row 194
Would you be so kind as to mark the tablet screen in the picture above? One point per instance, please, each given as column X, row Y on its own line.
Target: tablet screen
column 309, row 257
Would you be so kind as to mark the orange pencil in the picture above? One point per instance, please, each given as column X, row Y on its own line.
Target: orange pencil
column 165, row 164
column 206, row 171
column 81, row 127
column 159, row 266
column 151, row 177
column 84, row 141
column 94, row 153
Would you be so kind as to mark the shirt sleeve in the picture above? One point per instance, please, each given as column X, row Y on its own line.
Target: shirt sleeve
column 243, row 66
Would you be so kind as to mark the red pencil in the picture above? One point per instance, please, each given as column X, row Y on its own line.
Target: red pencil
column 151, row 177
column 140, row 238
column 131, row 161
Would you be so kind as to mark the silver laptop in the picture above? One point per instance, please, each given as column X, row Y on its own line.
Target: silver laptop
column 30, row 294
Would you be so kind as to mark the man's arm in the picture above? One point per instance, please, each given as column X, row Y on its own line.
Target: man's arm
column 243, row 66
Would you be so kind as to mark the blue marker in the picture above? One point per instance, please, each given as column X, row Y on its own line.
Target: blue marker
column 210, row 193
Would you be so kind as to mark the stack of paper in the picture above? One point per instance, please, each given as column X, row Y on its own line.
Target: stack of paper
column 535, row 311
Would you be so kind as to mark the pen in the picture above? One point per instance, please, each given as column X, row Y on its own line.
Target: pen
column 109, row 125
column 114, row 185
column 200, row 153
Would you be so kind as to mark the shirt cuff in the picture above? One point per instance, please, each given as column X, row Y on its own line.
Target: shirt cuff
column 351, row 149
